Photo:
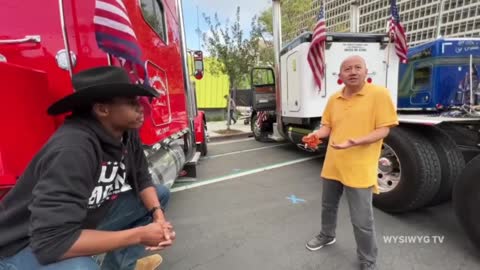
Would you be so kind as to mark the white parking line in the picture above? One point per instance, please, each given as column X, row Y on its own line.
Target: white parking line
column 231, row 141
column 244, row 151
column 240, row 174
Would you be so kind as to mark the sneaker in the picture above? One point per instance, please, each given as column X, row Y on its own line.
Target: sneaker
column 149, row 263
column 368, row 266
column 320, row 241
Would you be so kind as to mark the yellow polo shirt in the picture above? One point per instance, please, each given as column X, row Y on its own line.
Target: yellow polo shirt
column 367, row 110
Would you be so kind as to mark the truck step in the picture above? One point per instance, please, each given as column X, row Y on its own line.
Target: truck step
column 195, row 158
column 190, row 167
column 276, row 136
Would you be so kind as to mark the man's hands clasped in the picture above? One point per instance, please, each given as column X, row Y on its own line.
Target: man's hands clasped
column 158, row 235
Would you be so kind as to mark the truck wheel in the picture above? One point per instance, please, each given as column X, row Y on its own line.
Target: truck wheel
column 451, row 162
column 259, row 135
column 466, row 200
column 408, row 172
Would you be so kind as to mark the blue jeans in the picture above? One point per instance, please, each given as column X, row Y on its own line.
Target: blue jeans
column 126, row 212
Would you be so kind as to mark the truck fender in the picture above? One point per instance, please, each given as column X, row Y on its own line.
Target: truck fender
column 200, row 126
column 201, row 135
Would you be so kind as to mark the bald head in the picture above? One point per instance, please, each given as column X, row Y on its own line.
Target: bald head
column 353, row 71
column 353, row 58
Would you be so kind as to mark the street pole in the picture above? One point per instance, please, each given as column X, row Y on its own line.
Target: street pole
column 228, row 105
column 355, row 17
column 277, row 46
column 439, row 20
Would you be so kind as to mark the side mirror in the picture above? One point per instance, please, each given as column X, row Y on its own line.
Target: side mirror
column 198, row 64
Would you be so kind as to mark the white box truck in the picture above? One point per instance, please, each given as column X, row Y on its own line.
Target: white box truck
column 431, row 157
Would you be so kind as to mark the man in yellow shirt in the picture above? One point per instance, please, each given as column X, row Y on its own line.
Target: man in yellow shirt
column 356, row 120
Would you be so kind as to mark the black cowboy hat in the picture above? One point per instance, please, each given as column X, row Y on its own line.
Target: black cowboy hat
column 98, row 84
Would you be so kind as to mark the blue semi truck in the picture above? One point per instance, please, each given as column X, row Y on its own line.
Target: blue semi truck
column 439, row 75
column 434, row 155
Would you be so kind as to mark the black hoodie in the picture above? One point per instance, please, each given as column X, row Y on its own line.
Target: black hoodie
column 68, row 186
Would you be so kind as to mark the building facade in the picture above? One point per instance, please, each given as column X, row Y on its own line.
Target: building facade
column 460, row 18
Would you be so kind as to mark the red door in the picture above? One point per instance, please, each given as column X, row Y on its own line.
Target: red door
column 156, row 25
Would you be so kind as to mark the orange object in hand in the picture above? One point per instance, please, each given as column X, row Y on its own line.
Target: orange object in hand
column 311, row 141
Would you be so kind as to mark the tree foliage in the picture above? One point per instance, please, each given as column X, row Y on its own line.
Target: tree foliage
column 292, row 12
column 264, row 39
column 236, row 54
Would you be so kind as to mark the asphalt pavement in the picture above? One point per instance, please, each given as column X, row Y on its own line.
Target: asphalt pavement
column 254, row 205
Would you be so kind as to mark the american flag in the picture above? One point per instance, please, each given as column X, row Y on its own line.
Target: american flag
column 316, row 52
column 397, row 32
column 262, row 117
column 115, row 34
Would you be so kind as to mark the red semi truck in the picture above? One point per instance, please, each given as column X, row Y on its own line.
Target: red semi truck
column 42, row 43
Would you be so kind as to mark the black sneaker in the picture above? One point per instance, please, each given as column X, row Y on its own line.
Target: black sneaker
column 320, row 241
column 368, row 266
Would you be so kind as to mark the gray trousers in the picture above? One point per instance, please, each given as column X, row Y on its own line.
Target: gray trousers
column 361, row 214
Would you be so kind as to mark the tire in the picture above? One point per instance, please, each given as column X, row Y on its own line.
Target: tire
column 466, row 200
column 417, row 169
column 451, row 162
column 258, row 133
column 203, row 145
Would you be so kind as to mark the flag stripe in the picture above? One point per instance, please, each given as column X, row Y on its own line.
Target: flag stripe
column 397, row 32
column 262, row 117
column 112, row 16
column 114, row 25
column 132, row 47
column 115, row 35
column 315, row 56
column 120, row 3
column 113, row 32
column 112, row 9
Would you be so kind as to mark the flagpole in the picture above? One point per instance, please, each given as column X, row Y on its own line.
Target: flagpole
column 388, row 47
column 387, row 64
column 470, row 70
column 324, row 6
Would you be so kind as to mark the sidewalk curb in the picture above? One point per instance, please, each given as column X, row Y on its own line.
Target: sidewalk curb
column 232, row 136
